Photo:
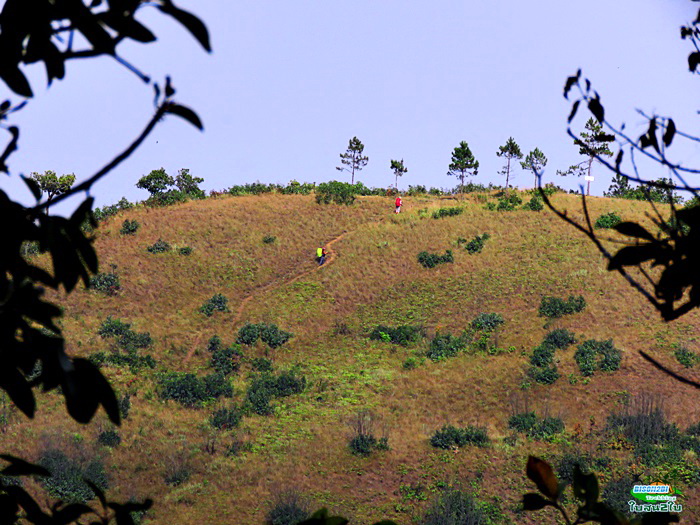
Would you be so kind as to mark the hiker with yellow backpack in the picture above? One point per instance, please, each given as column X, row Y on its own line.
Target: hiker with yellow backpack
column 321, row 255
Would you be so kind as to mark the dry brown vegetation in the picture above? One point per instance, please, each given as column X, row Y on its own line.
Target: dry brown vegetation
column 373, row 278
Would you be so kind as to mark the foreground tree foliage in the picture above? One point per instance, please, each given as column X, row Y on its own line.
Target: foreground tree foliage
column 33, row 347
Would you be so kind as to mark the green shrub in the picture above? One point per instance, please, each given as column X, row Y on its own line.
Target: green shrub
column 545, row 375
column 185, row 250
column 266, row 386
column 68, row 475
column 288, row 508
column 410, row 363
column 546, row 428
column 449, row 436
column 553, row 307
column 616, row 493
column 542, row 355
column 693, row 430
column 523, row 421
column 126, row 340
column 477, row 243
column 248, row 334
column 447, row 212
column 431, row 260
column 594, row 355
column 491, row 206
column 261, row 364
column 29, row 248
column 160, row 246
column 226, row 418
column 608, row 220
column 643, row 422
column 191, row 391
column 214, row 343
column 129, row 227
column 226, row 360
column 444, row 346
column 269, row 239
column 125, row 406
column 402, row 335
column 109, row 438
column 272, row 336
column 177, row 476
column 535, row 204
column 218, row 303
column 509, row 202
column 107, row 283
column 560, row 338
column 336, row 192
column 568, row 462
column 363, row 441
column 686, row 357
column 454, row 507
column 487, row 322
column 296, row 188
column 363, row 444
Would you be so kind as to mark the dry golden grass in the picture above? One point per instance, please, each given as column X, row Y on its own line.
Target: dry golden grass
column 373, row 278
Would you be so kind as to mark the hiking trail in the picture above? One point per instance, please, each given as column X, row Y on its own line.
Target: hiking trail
column 330, row 258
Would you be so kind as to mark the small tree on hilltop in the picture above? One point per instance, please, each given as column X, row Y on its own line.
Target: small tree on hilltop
column 510, row 151
column 155, row 182
column 353, row 158
column 535, row 161
column 52, row 185
column 399, row 169
column 463, row 164
column 592, row 143
column 188, row 184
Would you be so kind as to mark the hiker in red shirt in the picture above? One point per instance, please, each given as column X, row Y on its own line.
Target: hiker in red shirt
column 398, row 204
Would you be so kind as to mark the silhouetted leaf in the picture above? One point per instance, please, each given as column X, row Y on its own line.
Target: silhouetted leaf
column 693, row 61
column 8, row 509
column 574, row 109
column 193, row 24
column 123, row 512
column 597, row 109
column 670, row 132
column 542, row 474
column 649, row 138
column 128, row 27
column 585, row 487
column 633, row 229
column 169, row 89
column 16, row 80
column 570, row 82
column 97, row 491
column 85, row 388
column 20, row 467
column 618, row 161
column 33, row 187
column 588, row 85
column 17, row 387
column 635, row 255
column 534, row 501
column 186, row 113
column 5, row 106
column 321, row 517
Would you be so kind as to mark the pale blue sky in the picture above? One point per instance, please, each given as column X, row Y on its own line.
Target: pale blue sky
column 289, row 83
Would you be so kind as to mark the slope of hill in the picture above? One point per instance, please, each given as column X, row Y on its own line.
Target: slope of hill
column 201, row 474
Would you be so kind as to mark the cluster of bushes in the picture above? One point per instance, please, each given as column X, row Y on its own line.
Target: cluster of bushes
column 101, row 214
column 535, row 203
column 686, row 357
column 594, row 355
column 539, row 429
column 657, row 443
column 269, row 239
column 608, row 220
column 450, row 437
column 431, row 260
column 217, row 303
column 554, row 307
column 129, row 227
column 67, row 481
column 363, row 441
column 254, row 188
column 447, row 212
column 288, row 508
column 226, row 360
column 107, row 283
column 542, row 368
column 226, row 418
column 160, row 246
column 422, row 190
column 126, row 345
column 663, row 193
column 109, row 438
column 266, row 386
column 336, row 192
column 509, row 202
column 481, row 332
column 190, row 390
column 475, row 245
column 268, row 333
column 549, row 189
column 443, row 346
column 166, row 190
column 456, row 507
column 401, row 335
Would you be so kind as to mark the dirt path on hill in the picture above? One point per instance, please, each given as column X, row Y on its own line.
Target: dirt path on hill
column 330, row 258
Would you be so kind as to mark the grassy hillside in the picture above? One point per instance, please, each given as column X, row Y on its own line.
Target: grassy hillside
column 372, row 278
